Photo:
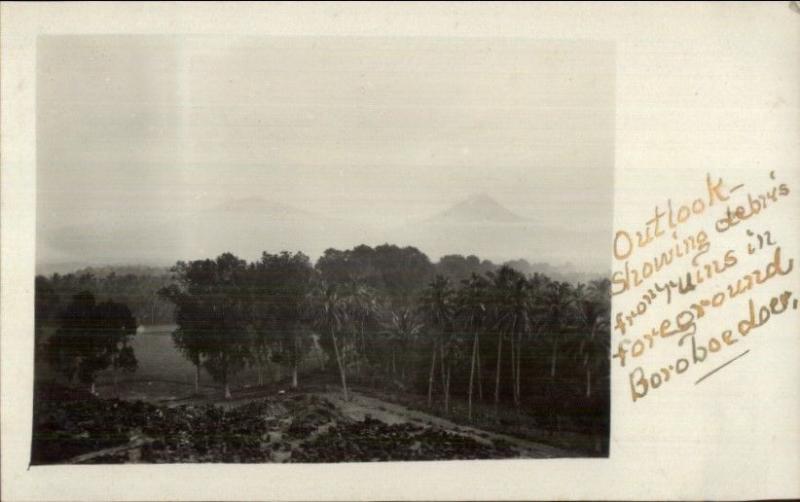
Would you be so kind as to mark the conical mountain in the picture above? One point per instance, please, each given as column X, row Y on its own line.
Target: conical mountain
column 483, row 226
column 478, row 208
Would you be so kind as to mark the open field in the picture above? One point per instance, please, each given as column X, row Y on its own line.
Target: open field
column 163, row 373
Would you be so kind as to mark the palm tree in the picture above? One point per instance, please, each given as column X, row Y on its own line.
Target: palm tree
column 403, row 328
column 593, row 308
column 327, row 310
column 496, row 299
column 260, row 350
column 513, row 308
column 600, row 289
column 558, row 309
column 362, row 307
column 437, row 310
column 558, row 304
column 472, row 306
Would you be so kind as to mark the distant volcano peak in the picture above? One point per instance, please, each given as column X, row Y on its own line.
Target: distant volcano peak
column 482, row 197
column 477, row 208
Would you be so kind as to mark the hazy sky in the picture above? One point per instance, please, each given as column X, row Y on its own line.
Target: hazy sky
column 379, row 130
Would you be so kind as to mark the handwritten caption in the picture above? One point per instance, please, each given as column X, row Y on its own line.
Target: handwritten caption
column 695, row 259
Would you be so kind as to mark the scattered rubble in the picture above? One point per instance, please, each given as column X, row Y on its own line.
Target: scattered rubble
column 283, row 428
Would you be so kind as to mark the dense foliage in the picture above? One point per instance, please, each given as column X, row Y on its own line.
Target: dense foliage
column 136, row 287
column 466, row 334
column 92, row 337
column 386, row 318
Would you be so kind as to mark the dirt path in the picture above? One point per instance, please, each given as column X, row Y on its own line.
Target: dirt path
column 133, row 446
column 360, row 406
column 391, row 413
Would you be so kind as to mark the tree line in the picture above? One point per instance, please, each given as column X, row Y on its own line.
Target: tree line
column 136, row 287
column 498, row 336
column 462, row 329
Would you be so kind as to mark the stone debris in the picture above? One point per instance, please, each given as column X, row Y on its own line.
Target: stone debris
column 283, row 428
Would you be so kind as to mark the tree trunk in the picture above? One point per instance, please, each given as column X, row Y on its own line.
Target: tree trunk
column 589, row 382
column 197, row 378
column 294, row 375
column 341, row 366
column 260, row 370
column 513, row 369
column 480, row 373
column 515, row 362
column 92, row 390
column 519, row 371
column 441, row 361
column 363, row 344
column 554, row 413
column 357, row 355
column 497, row 375
column 447, row 392
column 472, row 375
column 227, row 390
column 430, row 376
column 589, row 365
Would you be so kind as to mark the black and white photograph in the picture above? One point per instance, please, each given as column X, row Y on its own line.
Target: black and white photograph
column 362, row 251
column 321, row 250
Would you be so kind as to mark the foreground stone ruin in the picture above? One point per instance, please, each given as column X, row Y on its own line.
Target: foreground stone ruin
column 284, row 428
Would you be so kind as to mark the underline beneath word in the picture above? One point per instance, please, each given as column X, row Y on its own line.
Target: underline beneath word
column 719, row 368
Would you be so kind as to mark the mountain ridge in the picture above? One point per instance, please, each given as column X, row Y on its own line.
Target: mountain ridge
column 476, row 225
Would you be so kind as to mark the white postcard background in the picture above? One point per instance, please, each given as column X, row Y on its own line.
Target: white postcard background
column 701, row 88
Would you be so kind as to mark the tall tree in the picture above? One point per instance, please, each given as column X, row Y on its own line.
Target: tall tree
column 189, row 343
column 472, row 301
column 512, row 309
column 327, row 310
column 437, row 309
column 278, row 285
column 91, row 337
column 212, row 315
column 362, row 308
column 593, row 309
column 403, row 329
column 558, row 303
